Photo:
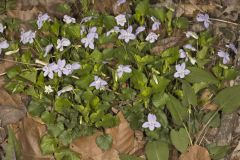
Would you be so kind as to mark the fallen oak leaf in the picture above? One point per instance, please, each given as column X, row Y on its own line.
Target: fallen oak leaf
column 29, row 132
column 195, row 153
column 123, row 135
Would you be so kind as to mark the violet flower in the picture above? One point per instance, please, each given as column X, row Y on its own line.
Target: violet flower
column 2, row 28
column 69, row 68
column 152, row 122
column 127, row 35
column 151, row 37
column 49, row 70
column 98, row 83
column 27, row 37
column 181, row 71
column 115, row 29
column 121, row 19
column 88, row 41
column 3, row 45
column 47, row 49
column 232, row 47
column 190, row 47
column 191, row 34
column 65, row 89
column 123, row 69
column 140, row 29
column 48, row 89
column 86, row 19
column 224, row 55
column 120, row 2
column 64, row 42
column 204, row 18
column 60, row 67
column 68, row 19
column 41, row 19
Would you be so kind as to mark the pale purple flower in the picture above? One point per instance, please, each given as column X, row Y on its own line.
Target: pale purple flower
column 88, row 41
column 224, row 55
column 151, row 37
column 140, row 29
column 47, row 49
column 27, row 37
column 68, row 19
column 3, row 45
column 121, row 19
column 2, row 28
column 190, row 47
column 41, row 19
column 60, row 67
column 123, row 69
column 98, row 83
column 182, row 53
column 191, row 34
column 204, row 18
column 64, row 42
column 93, row 32
column 181, row 71
column 152, row 122
column 232, row 47
column 120, row 2
column 69, row 68
column 115, row 29
column 49, row 70
column 86, row 19
column 65, row 89
column 127, row 35
column 156, row 24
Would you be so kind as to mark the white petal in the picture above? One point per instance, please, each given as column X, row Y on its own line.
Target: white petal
column 151, row 118
column 157, row 124
column 151, row 127
column 145, row 125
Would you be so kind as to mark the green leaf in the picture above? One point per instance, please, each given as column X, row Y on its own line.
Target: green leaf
column 159, row 100
column 62, row 104
column 13, row 72
column 228, row 99
column 215, row 122
column 84, row 81
column 63, row 8
column 181, row 23
column 159, row 13
column 36, row 108
column 66, row 154
column 138, row 79
column 170, row 55
column 26, row 57
column 202, row 53
column 180, row 139
column 198, row 75
column 178, row 112
column 218, row 152
column 30, row 75
column 55, row 129
column 159, row 84
column 157, row 150
column 104, row 141
column 48, row 117
column 129, row 157
column 66, row 137
column 141, row 10
column 189, row 94
column 108, row 121
column 71, row 31
column 109, row 21
column 48, row 145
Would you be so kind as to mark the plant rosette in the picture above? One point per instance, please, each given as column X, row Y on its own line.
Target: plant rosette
column 77, row 69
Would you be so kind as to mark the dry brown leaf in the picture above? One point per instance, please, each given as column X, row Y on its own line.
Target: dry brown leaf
column 88, row 149
column 210, row 107
column 236, row 154
column 195, row 153
column 123, row 135
column 23, row 15
column 29, row 133
column 190, row 9
column 167, row 43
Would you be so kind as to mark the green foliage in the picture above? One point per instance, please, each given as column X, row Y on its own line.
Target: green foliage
column 157, row 150
column 180, row 139
column 104, row 142
column 228, row 99
column 129, row 157
column 218, row 152
column 48, row 145
column 13, row 150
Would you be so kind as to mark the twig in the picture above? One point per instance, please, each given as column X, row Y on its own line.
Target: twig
column 8, row 60
column 224, row 21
